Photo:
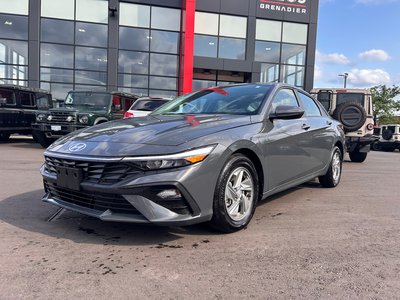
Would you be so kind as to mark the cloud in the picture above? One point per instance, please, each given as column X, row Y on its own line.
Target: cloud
column 368, row 77
column 332, row 58
column 375, row 2
column 375, row 55
column 318, row 73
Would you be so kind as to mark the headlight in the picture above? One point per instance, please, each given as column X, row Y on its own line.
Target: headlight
column 170, row 161
column 40, row 117
column 84, row 119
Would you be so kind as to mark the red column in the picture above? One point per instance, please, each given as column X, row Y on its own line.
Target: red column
column 187, row 46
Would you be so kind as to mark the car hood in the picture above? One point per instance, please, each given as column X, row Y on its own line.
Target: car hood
column 150, row 130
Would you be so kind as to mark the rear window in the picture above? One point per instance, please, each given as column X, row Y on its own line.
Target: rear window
column 325, row 99
column 147, row 105
column 350, row 97
column 9, row 97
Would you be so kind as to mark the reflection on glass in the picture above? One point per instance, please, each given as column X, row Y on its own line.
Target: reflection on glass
column 60, row 9
column 163, row 64
column 135, row 91
column 293, row 75
column 92, row 11
column 293, row 54
column 233, row 26
column 205, row 45
column 139, row 81
column 134, row 15
column 56, row 56
column 57, row 75
column 91, row 58
column 162, row 94
column 14, row 27
column 91, row 34
column 202, row 84
column 133, row 62
column 164, row 82
column 50, row 31
column 294, row 33
column 165, row 18
column 134, row 39
column 96, row 88
column 267, row 51
column 14, row 52
column 164, row 41
column 206, row 23
column 15, row 72
column 58, row 90
column 269, row 73
column 232, row 48
column 268, row 30
column 90, row 77
column 19, row 7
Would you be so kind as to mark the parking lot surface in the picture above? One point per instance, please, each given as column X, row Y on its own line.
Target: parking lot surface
column 308, row 242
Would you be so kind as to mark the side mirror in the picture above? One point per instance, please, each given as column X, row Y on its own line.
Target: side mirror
column 3, row 101
column 287, row 112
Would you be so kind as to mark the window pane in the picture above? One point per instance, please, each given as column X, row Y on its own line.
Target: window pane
column 134, row 38
column 205, row 45
column 293, row 75
column 92, row 11
column 310, row 108
column 164, row 82
column 134, row 15
column 50, row 31
column 133, row 62
column 233, row 26
column 163, row 94
column 140, row 81
column 164, row 41
column 13, row 27
column 57, row 56
column 91, row 34
column 232, row 48
column 81, row 87
column 294, row 33
column 206, row 23
column 14, row 52
column 57, row 75
column 58, row 90
column 269, row 73
column 165, row 18
column 267, row 51
column 201, row 84
column 91, row 58
column 61, row 9
column 284, row 97
column 19, row 7
column 163, row 64
column 14, row 72
column 268, row 30
column 139, row 92
column 89, row 77
column 293, row 54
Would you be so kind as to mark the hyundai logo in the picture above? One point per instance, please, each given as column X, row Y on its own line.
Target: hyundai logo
column 77, row 147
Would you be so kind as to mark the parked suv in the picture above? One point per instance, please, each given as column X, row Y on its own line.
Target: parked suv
column 80, row 109
column 389, row 138
column 353, row 108
column 18, row 106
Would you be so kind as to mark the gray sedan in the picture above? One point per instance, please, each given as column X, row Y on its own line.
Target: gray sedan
column 208, row 156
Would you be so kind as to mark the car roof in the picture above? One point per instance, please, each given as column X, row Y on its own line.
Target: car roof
column 24, row 88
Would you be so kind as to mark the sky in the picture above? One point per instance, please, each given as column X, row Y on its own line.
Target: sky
column 361, row 38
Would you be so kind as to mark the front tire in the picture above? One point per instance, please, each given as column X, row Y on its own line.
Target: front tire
column 332, row 177
column 357, row 156
column 236, row 195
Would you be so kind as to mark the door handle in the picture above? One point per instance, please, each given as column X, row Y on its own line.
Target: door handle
column 305, row 127
column 329, row 123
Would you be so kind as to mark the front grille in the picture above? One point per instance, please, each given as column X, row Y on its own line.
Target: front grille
column 61, row 118
column 97, row 201
column 95, row 172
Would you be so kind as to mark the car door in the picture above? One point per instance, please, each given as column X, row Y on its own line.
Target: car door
column 9, row 111
column 28, row 109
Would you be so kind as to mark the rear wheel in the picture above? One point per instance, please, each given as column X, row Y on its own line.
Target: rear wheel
column 376, row 146
column 334, row 173
column 4, row 137
column 236, row 195
column 356, row 156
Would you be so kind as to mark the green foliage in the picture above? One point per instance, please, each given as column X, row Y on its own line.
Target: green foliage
column 385, row 106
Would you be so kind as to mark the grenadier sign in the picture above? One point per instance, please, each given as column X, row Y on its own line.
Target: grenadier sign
column 289, row 6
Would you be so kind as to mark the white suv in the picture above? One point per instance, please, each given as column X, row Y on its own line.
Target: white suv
column 389, row 138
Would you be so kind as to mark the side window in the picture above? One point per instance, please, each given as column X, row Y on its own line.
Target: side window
column 9, row 97
column 311, row 109
column 284, row 97
column 27, row 99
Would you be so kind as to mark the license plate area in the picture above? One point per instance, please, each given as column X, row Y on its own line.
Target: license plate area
column 55, row 127
column 69, row 178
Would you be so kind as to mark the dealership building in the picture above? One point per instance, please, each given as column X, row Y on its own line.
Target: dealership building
column 156, row 47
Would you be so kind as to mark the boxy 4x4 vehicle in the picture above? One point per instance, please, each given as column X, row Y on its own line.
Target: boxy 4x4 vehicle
column 18, row 106
column 80, row 109
column 389, row 138
column 353, row 108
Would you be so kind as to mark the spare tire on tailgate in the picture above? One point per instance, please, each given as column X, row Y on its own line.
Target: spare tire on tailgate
column 351, row 114
column 387, row 134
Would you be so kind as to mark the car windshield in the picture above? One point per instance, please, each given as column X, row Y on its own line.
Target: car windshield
column 43, row 101
column 92, row 100
column 235, row 99
column 147, row 104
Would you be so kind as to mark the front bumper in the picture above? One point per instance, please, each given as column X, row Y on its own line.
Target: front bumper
column 56, row 130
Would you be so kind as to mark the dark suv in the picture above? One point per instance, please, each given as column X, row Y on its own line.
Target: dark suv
column 18, row 106
column 81, row 109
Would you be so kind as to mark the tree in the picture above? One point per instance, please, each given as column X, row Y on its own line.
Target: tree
column 385, row 104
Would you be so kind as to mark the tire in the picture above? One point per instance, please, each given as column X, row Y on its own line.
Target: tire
column 231, row 210
column 42, row 139
column 376, row 146
column 357, row 156
column 332, row 177
column 351, row 114
column 387, row 134
column 4, row 137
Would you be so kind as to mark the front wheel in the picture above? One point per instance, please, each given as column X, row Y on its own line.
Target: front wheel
column 357, row 156
column 235, row 195
column 334, row 173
